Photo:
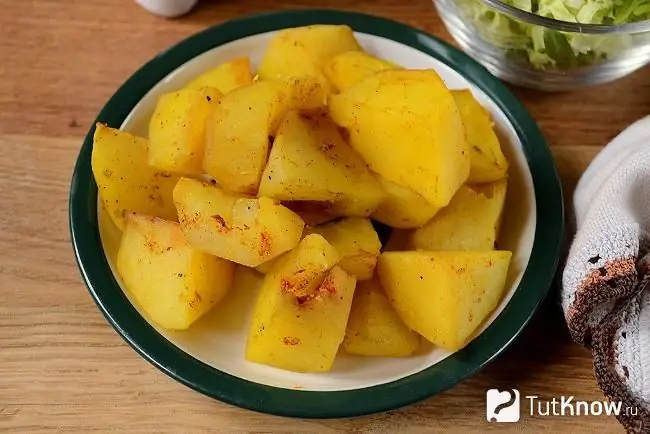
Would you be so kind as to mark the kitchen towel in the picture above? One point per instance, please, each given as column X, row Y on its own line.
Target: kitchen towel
column 605, row 290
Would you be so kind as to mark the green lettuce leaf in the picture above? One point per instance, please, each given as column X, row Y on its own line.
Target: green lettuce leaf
column 548, row 48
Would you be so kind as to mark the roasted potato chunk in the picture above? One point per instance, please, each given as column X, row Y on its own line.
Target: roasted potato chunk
column 304, row 268
column 110, row 234
column 402, row 207
column 303, row 51
column 347, row 69
column 225, row 77
column 266, row 267
column 374, row 327
column 177, row 130
column 127, row 184
column 243, row 230
column 470, row 222
column 405, row 138
column 487, row 163
column 312, row 213
column 238, row 134
column 357, row 242
column 172, row 282
column 307, row 93
column 311, row 161
column 301, row 333
column 444, row 296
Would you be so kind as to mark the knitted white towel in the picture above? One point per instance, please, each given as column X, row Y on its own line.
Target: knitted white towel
column 604, row 296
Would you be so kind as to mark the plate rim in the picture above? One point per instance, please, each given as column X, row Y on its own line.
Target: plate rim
column 153, row 347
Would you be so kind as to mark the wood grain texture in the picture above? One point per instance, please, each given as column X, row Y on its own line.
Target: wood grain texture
column 63, row 368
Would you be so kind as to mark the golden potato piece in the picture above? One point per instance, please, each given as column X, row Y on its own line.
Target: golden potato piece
column 311, row 212
column 301, row 334
column 239, row 131
column 127, row 184
column 402, row 207
column 374, row 327
column 225, row 77
column 110, row 234
column 470, row 222
column 177, row 130
column 487, row 163
column 347, row 69
column 266, row 267
column 311, row 161
column 307, row 93
column 303, row 51
column 406, row 126
column 357, row 242
column 444, row 296
column 171, row 281
column 304, row 267
column 243, row 230
column 309, row 219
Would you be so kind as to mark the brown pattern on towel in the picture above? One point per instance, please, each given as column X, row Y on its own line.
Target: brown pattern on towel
column 605, row 360
column 619, row 281
column 613, row 281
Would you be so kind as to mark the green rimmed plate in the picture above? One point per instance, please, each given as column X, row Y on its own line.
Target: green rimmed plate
column 210, row 357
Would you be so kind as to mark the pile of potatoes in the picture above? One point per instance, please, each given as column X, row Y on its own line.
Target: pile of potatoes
column 287, row 171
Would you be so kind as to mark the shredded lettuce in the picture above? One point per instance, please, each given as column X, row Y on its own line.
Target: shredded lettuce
column 547, row 48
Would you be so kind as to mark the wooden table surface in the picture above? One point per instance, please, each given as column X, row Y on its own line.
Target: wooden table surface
column 63, row 368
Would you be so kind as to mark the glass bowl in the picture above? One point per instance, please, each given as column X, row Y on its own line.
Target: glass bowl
column 537, row 52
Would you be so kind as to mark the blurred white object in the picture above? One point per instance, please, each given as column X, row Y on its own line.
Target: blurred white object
column 167, row 8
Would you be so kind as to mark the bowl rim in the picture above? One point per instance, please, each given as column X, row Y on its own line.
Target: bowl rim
column 566, row 26
column 153, row 347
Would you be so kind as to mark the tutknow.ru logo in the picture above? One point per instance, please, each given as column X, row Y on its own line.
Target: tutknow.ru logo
column 502, row 406
column 505, row 406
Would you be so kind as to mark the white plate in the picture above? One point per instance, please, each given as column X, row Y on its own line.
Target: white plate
column 219, row 339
